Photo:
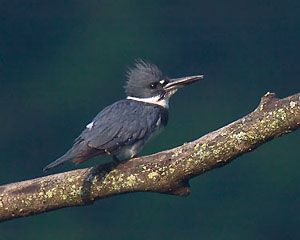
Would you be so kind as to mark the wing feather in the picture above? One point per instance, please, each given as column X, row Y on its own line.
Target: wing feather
column 121, row 124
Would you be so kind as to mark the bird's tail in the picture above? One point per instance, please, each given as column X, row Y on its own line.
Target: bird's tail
column 58, row 162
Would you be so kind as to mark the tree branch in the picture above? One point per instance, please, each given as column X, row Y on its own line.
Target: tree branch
column 164, row 172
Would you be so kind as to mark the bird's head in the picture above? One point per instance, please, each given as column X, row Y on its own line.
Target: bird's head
column 147, row 82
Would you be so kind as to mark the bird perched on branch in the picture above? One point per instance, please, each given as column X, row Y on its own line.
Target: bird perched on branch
column 122, row 129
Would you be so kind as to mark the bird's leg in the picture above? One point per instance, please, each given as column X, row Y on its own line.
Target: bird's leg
column 114, row 157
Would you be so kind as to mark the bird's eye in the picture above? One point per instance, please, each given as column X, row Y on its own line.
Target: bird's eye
column 161, row 83
column 153, row 85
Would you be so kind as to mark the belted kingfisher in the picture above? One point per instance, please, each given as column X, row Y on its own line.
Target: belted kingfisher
column 122, row 129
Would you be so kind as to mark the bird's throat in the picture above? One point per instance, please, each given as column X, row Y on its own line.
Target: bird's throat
column 153, row 100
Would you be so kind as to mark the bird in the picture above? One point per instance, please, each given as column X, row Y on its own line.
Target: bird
column 122, row 129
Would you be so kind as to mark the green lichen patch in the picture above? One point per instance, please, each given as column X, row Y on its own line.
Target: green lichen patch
column 153, row 175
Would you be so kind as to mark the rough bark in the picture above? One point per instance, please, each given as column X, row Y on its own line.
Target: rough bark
column 164, row 172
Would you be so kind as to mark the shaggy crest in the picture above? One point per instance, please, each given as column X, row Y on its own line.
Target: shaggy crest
column 140, row 77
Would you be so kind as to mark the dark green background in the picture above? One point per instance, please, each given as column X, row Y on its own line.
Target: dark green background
column 63, row 61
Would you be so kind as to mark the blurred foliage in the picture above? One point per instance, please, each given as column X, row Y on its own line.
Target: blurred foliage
column 61, row 62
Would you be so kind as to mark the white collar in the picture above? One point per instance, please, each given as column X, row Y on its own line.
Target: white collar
column 154, row 100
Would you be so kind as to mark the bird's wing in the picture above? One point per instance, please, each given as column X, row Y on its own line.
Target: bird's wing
column 120, row 124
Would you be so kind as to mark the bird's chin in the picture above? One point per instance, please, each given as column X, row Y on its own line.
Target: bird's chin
column 170, row 93
column 167, row 94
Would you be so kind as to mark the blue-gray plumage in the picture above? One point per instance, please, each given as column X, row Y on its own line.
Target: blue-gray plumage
column 122, row 129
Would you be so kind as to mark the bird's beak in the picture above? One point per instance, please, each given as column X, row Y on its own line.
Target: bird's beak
column 176, row 83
